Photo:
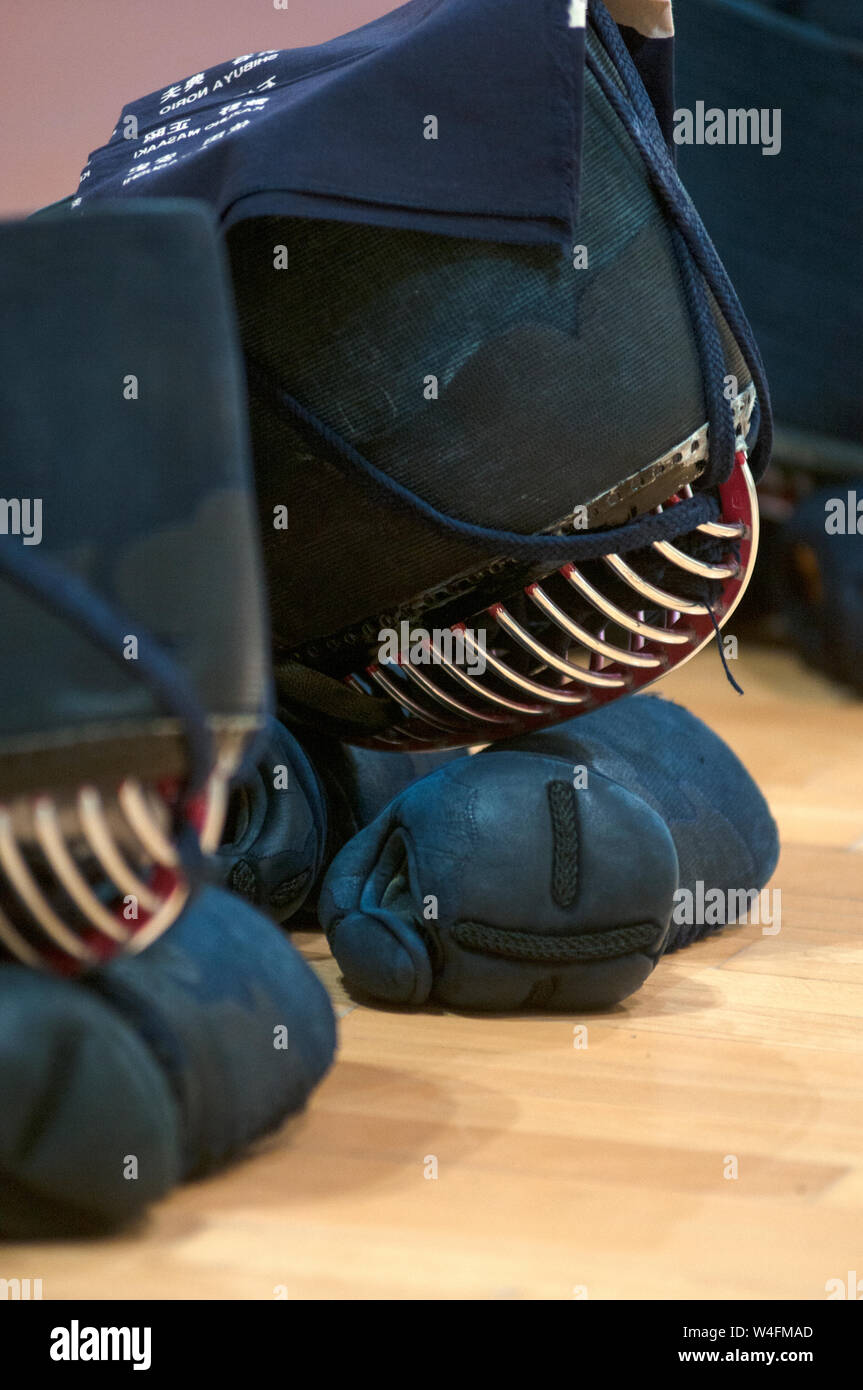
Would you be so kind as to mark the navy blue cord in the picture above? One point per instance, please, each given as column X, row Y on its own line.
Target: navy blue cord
column 66, row 593
column 647, row 136
column 726, row 668
column 553, row 550
column 711, row 357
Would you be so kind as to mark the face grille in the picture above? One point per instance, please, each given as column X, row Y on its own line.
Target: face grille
column 576, row 639
column 94, row 874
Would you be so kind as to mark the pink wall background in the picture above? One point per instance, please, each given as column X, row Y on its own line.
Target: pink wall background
column 70, row 65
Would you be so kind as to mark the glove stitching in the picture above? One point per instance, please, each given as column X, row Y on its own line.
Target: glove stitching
column 527, row 946
column 565, row 844
column 285, row 892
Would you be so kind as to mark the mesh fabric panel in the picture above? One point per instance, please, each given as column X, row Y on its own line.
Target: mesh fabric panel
column 554, row 384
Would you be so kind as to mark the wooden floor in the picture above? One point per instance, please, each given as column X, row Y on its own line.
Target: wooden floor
column 562, row 1170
